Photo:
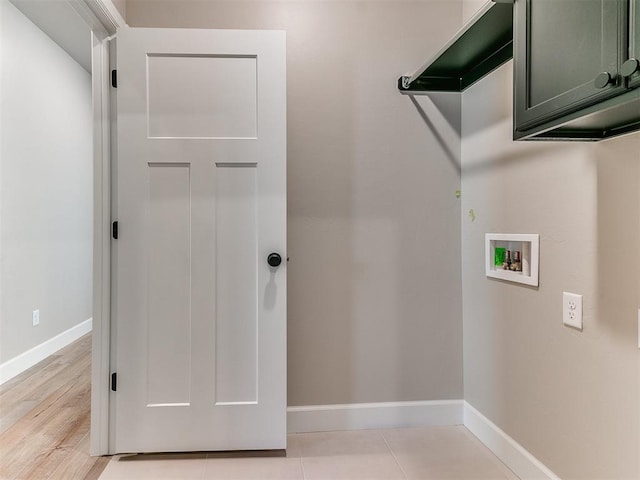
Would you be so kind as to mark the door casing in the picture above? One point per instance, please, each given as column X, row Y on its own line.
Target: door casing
column 102, row 17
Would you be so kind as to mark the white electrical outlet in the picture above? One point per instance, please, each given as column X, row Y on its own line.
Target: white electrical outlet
column 572, row 310
column 35, row 318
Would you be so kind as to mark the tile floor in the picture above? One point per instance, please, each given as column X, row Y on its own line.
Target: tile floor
column 407, row 453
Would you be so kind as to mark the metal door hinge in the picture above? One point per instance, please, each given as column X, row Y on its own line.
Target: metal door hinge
column 114, row 230
column 114, row 381
column 114, row 78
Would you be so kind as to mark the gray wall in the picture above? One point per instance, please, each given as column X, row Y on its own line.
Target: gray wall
column 121, row 5
column 570, row 398
column 470, row 7
column 45, row 187
column 374, row 225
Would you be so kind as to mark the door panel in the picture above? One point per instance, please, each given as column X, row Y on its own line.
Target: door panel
column 573, row 59
column 237, row 281
column 561, row 46
column 169, row 304
column 214, row 97
column 634, row 39
column 200, row 191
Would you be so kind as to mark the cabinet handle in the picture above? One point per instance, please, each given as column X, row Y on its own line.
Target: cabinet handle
column 602, row 80
column 630, row 67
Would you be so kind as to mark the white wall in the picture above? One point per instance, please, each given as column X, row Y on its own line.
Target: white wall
column 374, row 224
column 45, row 187
column 570, row 398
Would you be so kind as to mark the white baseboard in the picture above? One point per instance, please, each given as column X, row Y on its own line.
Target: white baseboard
column 512, row 454
column 28, row 359
column 360, row 416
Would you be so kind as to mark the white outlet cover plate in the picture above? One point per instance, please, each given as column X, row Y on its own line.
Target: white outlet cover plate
column 35, row 318
column 572, row 310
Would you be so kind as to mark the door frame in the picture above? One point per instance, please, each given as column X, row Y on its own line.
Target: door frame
column 103, row 18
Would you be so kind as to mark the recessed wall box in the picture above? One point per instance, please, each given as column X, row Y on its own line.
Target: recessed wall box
column 519, row 255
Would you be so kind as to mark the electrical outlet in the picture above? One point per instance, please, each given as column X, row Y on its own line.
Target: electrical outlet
column 35, row 318
column 572, row 310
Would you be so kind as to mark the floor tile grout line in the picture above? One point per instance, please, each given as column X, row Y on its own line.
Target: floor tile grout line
column 300, row 456
column 304, row 476
column 404, row 474
column 205, row 464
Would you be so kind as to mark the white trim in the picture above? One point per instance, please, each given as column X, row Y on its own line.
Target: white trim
column 24, row 361
column 87, row 15
column 100, row 359
column 512, row 454
column 360, row 416
column 106, row 13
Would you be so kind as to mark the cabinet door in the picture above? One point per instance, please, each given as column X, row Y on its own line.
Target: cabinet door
column 634, row 40
column 561, row 48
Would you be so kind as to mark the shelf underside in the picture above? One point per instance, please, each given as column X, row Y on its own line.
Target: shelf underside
column 479, row 48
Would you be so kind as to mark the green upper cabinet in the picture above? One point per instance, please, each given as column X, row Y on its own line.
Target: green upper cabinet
column 576, row 65
column 568, row 56
column 634, row 45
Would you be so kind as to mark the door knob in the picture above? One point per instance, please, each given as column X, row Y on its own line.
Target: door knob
column 274, row 260
column 629, row 67
column 602, row 80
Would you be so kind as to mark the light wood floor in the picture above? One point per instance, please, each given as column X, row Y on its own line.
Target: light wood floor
column 45, row 417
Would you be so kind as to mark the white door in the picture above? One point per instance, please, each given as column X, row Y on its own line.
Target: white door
column 200, row 200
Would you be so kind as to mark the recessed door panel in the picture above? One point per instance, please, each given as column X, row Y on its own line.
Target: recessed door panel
column 202, row 96
column 169, row 302
column 237, row 284
column 575, row 60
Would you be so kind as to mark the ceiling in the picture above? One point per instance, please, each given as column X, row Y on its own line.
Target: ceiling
column 62, row 23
